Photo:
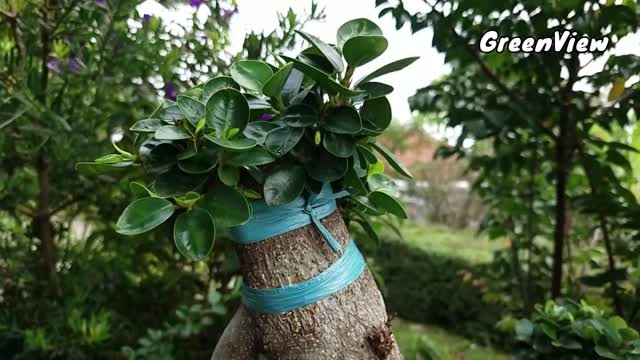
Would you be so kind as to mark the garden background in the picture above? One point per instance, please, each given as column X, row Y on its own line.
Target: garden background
column 526, row 174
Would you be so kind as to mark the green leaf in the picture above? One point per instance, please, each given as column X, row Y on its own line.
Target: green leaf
column 170, row 132
column 325, row 167
column 387, row 203
column 227, row 109
column 192, row 109
column 284, row 185
column 381, row 182
column 254, row 157
column 176, row 182
column 146, row 125
column 187, row 200
column 171, row 114
column 389, row 68
column 376, row 115
column 282, row 140
column 92, row 168
column 157, row 156
column 256, row 103
column 194, row 233
column 343, row 120
column 258, row 130
column 251, row 74
column 392, row 160
column 234, row 144
column 360, row 50
column 140, row 190
column 143, row 215
column 339, row 145
column 292, row 86
column 323, row 79
column 374, row 89
column 274, row 86
column 299, row 116
column 327, row 51
column 229, row 175
column 202, row 162
column 111, row 159
column 227, row 206
column 356, row 27
column 217, row 83
column 524, row 329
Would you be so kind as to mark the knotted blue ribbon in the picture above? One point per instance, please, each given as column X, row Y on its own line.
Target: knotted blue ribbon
column 336, row 277
column 269, row 221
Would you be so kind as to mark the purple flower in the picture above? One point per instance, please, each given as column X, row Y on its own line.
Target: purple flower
column 265, row 117
column 55, row 66
column 75, row 64
column 196, row 3
column 146, row 18
column 170, row 91
column 101, row 2
column 229, row 12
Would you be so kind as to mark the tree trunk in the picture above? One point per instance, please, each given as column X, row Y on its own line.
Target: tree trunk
column 350, row 324
column 42, row 226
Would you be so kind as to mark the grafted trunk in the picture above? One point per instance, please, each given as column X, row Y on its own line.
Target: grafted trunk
column 350, row 324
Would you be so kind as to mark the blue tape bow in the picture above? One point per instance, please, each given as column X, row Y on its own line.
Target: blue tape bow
column 269, row 221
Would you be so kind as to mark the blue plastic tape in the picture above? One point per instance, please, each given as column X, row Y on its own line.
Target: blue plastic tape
column 269, row 221
column 339, row 275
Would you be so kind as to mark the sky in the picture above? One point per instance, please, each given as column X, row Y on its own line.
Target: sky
column 260, row 15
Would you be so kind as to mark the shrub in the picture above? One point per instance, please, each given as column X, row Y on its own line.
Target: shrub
column 570, row 330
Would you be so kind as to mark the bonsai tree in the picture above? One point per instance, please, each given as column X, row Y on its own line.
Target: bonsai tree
column 265, row 140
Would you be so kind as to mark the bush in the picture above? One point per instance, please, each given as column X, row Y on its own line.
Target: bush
column 569, row 330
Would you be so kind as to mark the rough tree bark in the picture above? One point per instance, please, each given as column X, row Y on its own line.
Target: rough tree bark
column 350, row 324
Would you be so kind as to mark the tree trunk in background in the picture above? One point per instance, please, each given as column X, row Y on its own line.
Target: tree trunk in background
column 42, row 225
column 350, row 324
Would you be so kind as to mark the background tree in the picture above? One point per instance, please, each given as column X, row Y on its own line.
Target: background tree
column 544, row 116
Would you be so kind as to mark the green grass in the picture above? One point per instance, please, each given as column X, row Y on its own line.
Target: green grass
column 458, row 243
column 410, row 337
column 423, row 271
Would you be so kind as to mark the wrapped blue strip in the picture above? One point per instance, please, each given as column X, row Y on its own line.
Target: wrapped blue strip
column 269, row 221
column 339, row 275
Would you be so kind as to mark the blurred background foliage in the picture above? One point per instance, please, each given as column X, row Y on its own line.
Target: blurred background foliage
column 535, row 199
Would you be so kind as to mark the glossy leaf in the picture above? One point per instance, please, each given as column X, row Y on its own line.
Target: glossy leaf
column 284, row 185
column 299, row 116
column 374, row 89
column 140, row 190
column 227, row 206
column 274, row 86
column 157, row 156
column 361, row 50
column 176, row 182
column 292, row 86
column 356, row 27
column 229, row 175
column 187, row 200
column 171, row 114
column 392, row 160
column 323, row 79
column 194, row 233
column 146, row 125
column 343, row 120
column 170, row 132
column 325, row 167
column 217, row 83
column 202, row 162
column 254, row 157
column 143, row 215
column 339, row 145
column 387, row 203
column 327, row 51
column 376, row 115
column 389, row 68
column 282, row 140
column 92, row 168
column 258, row 130
column 235, row 144
column 192, row 109
column 227, row 109
column 251, row 74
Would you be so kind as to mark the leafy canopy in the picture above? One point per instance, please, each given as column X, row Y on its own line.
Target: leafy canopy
column 267, row 132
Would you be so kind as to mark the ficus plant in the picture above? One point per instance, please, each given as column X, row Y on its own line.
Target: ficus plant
column 264, row 131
